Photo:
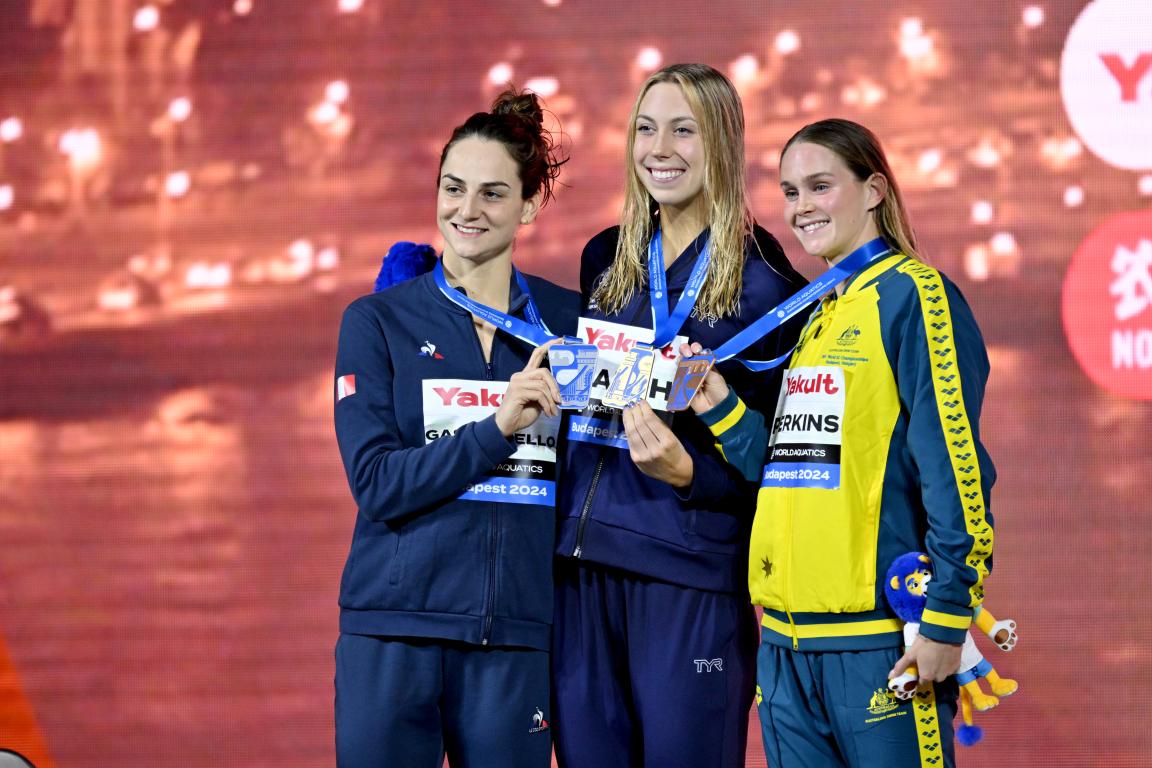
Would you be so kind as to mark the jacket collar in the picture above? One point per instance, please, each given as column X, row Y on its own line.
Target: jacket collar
column 517, row 299
column 870, row 273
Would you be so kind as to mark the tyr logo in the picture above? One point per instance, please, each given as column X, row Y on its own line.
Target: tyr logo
column 704, row 665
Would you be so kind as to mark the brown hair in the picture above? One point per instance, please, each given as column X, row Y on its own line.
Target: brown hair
column 517, row 122
column 860, row 150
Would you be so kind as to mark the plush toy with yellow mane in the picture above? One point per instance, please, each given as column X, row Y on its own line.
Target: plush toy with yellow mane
column 906, row 588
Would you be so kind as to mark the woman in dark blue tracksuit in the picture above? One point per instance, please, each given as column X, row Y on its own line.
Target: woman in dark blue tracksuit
column 447, row 428
column 654, row 637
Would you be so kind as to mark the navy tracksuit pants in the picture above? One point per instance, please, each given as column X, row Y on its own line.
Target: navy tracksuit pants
column 404, row 703
column 647, row 673
column 832, row 709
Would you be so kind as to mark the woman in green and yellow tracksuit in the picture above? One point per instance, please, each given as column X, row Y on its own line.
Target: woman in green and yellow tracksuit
column 873, row 451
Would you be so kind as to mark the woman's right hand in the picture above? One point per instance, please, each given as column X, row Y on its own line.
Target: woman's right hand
column 530, row 392
column 714, row 389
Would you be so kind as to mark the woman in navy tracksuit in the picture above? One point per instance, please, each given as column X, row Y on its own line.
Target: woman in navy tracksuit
column 654, row 637
column 447, row 429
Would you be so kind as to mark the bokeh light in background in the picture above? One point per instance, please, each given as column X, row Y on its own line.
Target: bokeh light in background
column 192, row 190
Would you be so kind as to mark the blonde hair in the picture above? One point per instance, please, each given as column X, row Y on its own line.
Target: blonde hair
column 860, row 150
column 716, row 107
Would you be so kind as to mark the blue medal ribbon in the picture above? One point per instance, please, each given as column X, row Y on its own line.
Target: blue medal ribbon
column 774, row 318
column 534, row 332
column 665, row 328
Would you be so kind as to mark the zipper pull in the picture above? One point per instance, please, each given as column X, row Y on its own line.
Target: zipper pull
column 489, row 372
column 576, row 552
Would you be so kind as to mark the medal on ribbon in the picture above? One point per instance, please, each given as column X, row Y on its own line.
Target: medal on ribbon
column 665, row 325
column 690, row 373
column 634, row 375
column 573, row 363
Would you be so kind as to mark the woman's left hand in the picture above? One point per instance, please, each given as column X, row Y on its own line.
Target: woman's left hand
column 655, row 450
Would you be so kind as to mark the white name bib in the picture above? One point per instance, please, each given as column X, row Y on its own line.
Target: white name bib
column 528, row 476
column 599, row 423
column 807, row 431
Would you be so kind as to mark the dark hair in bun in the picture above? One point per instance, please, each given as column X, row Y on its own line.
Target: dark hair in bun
column 517, row 122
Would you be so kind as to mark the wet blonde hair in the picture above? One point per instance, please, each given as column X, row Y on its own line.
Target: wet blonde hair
column 716, row 107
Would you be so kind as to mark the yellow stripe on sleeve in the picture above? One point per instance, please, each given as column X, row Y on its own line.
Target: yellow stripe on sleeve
column 730, row 420
column 957, row 429
column 946, row 619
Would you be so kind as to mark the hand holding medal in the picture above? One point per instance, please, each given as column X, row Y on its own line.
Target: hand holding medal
column 631, row 381
column 692, row 369
column 654, row 449
column 703, row 392
column 530, row 392
column 573, row 364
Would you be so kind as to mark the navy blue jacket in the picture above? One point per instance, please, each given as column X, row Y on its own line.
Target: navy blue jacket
column 622, row 518
column 424, row 563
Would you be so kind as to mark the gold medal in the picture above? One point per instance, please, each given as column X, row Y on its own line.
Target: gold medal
column 632, row 379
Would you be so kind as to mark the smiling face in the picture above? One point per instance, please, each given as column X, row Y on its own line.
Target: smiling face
column 479, row 207
column 916, row 583
column 668, row 152
column 827, row 207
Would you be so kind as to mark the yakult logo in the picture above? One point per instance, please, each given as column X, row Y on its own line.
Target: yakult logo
column 458, row 396
column 618, row 342
column 818, row 383
column 1106, row 81
column 1107, row 305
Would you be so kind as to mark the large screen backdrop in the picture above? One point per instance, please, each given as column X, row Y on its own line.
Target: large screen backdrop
column 192, row 190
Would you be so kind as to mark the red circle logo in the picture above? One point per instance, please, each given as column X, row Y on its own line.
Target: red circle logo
column 1107, row 306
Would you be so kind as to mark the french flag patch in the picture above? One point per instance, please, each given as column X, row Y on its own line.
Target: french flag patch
column 345, row 385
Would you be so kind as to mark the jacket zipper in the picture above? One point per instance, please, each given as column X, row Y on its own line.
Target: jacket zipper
column 493, row 520
column 494, row 516
column 788, row 599
column 490, row 596
column 586, row 511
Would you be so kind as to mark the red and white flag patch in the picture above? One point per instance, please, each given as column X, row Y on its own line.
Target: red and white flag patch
column 345, row 385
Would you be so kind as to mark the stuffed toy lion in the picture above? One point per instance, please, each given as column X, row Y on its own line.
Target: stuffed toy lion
column 906, row 588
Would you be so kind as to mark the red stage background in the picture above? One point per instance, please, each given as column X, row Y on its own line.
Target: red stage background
column 192, row 190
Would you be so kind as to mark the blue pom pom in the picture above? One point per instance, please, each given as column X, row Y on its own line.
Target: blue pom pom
column 405, row 261
column 967, row 735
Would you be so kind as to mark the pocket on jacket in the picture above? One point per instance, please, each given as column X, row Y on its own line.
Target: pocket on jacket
column 396, row 562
